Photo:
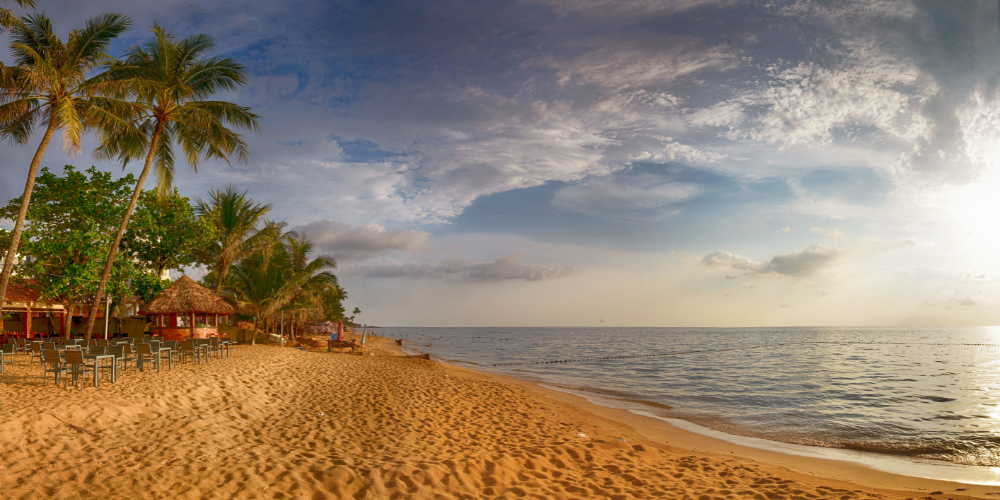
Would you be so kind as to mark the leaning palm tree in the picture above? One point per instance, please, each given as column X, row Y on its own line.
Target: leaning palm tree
column 48, row 86
column 172, row 79
column 237, row 220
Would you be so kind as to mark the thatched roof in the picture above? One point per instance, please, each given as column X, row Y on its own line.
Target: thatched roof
column 186, row 296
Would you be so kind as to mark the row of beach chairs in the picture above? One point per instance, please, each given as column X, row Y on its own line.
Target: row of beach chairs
column 71, row 357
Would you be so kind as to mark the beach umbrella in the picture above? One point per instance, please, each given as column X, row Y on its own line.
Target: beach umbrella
column 364, row 336
column 340, row 331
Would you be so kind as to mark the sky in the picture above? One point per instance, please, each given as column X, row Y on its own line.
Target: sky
column 614, row 163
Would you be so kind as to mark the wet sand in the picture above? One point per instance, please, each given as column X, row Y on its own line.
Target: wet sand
column 282, row 423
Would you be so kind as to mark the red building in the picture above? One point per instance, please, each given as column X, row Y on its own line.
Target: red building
column 28, row 314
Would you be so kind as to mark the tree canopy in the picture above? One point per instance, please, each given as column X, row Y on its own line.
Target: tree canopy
column 165, row 233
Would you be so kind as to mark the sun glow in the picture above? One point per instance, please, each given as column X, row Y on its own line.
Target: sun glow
column 978, row 210
column 978, row 204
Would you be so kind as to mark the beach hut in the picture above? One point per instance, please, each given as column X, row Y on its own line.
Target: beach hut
column 186, row 310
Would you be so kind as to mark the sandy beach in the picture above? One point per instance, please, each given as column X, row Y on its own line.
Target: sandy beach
column 283, row 423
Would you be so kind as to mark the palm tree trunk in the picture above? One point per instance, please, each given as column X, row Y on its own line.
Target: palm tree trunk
column 222, row 269
column 121, row 231
column 15, row 237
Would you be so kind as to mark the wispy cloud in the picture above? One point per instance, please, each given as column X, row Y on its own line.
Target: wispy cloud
column 457, row 270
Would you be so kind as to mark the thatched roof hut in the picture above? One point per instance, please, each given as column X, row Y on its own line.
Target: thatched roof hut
column 185, row 296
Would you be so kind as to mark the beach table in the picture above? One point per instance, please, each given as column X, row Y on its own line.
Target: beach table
column 100, row 359
column 158, row 355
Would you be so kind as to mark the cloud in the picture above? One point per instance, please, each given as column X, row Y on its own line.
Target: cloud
column 457, row 270
column 675, row 151
column 358, row 243
column 722, row 258
column 641, row 61
column 630, row 197
column 805, row 105
column 966, row 301
column 806, row 262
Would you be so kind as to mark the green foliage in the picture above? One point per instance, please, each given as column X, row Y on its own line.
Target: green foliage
column 236, row 221
column 165, row 233
column 146, row 286
column 330, row 303
column 68, row 230
column 280, row 278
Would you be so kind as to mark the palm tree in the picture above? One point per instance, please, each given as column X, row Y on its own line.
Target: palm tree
column 329, row 302
column 260, row 283
column 236, row 219
column 48, row 85
column 312, row 274
column 172, row 81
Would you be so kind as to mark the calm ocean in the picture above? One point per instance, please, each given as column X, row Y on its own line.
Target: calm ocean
column 924, row 395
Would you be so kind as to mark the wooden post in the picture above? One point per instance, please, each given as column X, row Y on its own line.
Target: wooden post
column 27, row 322
column 192, row 325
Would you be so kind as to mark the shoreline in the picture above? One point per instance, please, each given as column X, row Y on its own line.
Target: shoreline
column 661, row 430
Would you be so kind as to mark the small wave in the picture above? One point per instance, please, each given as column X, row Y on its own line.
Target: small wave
column 937, row 399
column 955, row 417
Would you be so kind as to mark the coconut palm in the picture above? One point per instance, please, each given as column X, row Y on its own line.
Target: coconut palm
column 312, row 274
column 172, row 79
column 260, row 282
column 237, row 220
column 48, row 86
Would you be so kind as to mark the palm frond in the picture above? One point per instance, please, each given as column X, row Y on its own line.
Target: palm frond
column 34, row 31
column 66, row 113
column 192, row 47
column 18, row 118
column 87, row 46
column 163, row 162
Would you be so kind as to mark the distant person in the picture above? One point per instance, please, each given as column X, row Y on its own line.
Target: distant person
column 399, row 342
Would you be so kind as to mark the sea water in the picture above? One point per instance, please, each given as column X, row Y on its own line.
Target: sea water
column 925, row 395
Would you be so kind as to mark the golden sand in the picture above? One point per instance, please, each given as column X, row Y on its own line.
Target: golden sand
column 282, row 423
